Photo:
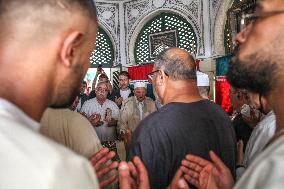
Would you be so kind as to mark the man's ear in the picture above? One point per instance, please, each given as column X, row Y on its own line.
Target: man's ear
column 70, row 47
column 161, row 78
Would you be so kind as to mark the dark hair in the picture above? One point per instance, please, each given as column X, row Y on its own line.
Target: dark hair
column 103, row 76
column 124, row 73
column 177, row 63
column 84, row 82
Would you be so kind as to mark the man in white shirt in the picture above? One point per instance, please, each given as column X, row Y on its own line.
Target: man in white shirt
column 261, row 134
column 52, row 41
column 97, row 111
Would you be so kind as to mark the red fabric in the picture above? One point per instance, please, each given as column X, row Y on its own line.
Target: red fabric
column 197, row 64
column 140, row 72
column 222, row 94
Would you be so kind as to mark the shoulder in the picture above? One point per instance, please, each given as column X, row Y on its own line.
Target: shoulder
column 149, row 99
column 128, row 100
column 111, row 103
column 266, row 170
column 45, row 156
column 268, row 121
column 90, row 102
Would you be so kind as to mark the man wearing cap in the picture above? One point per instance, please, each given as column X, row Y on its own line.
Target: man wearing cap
column 134, row 109
column 203, row 84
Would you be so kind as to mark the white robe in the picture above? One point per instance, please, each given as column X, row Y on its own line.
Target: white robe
column 30, row 160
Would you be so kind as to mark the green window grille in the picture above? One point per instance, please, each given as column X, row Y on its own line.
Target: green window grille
column 104, row 52
column 186, row 37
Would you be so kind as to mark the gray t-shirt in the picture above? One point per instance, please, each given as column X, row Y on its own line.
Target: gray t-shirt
column 164, row 138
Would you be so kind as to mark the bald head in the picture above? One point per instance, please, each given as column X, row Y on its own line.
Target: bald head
column 177, row 63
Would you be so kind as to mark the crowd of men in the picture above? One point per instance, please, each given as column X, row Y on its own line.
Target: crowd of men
column 188, row 142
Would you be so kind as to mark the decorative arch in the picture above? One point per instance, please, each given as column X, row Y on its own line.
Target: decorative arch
column 104, row 52
column 146, row 19
column 220, row 23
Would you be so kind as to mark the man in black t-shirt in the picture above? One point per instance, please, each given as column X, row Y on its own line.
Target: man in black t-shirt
column 185, row 124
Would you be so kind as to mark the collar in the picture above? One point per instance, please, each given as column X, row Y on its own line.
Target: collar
column 138, row 101
column 16, row 113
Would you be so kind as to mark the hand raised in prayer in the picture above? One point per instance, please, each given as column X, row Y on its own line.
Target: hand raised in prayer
column 133, row 175
column 207, row 175
column 103, row 166
column 95, row 120
column 118, row 101
column 178, row 181
column 84, row 114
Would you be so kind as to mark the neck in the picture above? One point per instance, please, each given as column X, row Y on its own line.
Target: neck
column 181, row 91
column 101, row 101
column 32, row 102
column 125, row 89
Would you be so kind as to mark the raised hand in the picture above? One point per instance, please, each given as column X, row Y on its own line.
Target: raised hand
column 101, row 162
column 95, row 120
column 133, row 175
column 118, row 101
column 207, row 175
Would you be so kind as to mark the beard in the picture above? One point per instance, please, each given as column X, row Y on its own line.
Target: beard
column 65, row 97
column 256, row 74
column 68, row 89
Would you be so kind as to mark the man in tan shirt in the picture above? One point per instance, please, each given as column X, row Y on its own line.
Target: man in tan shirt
column 72, row 130
column 134, row 109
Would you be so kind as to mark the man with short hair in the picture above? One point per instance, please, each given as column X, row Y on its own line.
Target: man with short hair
column 134, row 109
column 186, row 123
column 103, row 115
column 261, row 134
column 64, row 33
column 124, row 90
column 102, row 78
column 239, row 100
column 82, row 96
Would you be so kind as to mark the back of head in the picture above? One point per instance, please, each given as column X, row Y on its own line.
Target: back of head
column 177, row 63
column 41, row 17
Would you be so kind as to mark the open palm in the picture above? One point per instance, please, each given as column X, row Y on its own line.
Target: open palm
column 204, row 174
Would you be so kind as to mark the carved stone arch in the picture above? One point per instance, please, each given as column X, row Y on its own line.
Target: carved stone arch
column 139, row 24
column 220, row 22
column 111, row 35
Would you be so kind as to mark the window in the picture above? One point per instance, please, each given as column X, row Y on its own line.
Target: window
column 186, row 37
column 104, row 52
